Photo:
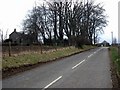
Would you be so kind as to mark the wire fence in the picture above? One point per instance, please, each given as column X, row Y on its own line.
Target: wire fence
column 19, row 50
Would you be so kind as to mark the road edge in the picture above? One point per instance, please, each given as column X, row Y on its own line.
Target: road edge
column 114, row 76
column 16, row 70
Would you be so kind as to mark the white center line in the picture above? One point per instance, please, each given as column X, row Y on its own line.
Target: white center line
column 52, row 83
column 78, row 64
column 90, row 55
column 97, row 51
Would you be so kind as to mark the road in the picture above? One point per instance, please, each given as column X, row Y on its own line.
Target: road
column 90, row 69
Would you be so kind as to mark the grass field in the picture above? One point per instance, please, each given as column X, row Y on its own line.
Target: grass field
column 115, row 58
column 33, row 58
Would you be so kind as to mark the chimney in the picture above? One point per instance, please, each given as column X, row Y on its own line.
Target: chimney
column 15, row 30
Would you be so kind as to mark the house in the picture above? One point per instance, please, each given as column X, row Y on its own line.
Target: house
column 105, row 43
column 15, row 37
column 20, row 38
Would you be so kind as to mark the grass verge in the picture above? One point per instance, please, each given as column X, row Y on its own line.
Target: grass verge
column 18, row 63
column 115, row 58
column 115, row 66
column 32, row 58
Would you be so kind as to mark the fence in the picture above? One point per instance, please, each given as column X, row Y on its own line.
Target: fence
column 18, row 50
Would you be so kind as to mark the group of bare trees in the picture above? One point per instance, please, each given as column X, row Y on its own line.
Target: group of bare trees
column 78, row 23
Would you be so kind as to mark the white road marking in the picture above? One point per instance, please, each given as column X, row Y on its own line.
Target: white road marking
column 98, row 50
column 52, row 83
column 94, row 52
column 90, row 55
column 78, row 64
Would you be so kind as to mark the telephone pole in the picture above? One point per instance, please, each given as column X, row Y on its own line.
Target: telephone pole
column 112, row 37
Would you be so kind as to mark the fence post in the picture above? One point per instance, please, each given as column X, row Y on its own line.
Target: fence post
column 9, row 48
column 56, row 46
column 41, row 47
column 119, row 51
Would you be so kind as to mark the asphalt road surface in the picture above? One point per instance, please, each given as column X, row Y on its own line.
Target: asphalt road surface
column 90, row 69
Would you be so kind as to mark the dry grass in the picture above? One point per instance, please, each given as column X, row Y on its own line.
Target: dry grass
column 33, row 58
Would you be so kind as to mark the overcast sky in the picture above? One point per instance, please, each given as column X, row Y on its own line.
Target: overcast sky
column 12, row 13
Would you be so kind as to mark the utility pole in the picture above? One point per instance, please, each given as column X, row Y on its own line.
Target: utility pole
column 112, row 37
column 119, row 28
column 119, row 23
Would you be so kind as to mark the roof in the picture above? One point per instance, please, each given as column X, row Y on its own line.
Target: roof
column 18, row 33
column 104, row 41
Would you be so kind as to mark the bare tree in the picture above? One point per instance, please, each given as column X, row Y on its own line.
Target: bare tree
column 77, row 21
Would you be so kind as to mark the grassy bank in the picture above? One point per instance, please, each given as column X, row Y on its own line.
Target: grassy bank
column 115, row 58
column 33, row 58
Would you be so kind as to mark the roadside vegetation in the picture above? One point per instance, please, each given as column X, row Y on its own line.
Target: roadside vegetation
column 115, row 58
column 115, row 66
column 34, row 58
